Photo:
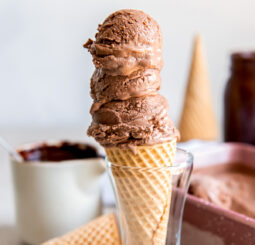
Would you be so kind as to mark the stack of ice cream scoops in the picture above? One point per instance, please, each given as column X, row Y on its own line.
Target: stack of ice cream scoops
column 128, row 111
column 130, row 120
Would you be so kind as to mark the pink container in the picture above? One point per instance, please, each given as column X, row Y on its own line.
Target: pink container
column 205, row 223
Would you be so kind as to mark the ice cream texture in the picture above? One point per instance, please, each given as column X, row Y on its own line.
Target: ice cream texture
column 128, row 111
column 127, row 41
column 229, row 186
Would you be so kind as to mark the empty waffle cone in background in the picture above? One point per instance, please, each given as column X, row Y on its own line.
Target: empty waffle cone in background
column 101, row 231
column 198, row 120
column 144, row 189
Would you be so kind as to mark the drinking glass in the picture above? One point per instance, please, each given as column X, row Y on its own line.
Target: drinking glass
column 150, row 200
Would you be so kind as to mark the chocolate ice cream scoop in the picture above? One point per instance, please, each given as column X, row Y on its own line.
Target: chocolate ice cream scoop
column 127, row 41
column 136, row 121
column 105, row 88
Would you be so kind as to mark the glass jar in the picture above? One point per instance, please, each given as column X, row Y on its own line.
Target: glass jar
column 240, row 99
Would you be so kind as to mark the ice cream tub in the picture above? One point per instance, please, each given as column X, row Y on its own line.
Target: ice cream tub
column 207, row 223
column 57, row 188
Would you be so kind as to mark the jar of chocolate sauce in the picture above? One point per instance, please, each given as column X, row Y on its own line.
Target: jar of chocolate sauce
column 240, row 99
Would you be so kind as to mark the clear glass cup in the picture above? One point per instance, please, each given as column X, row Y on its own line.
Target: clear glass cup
column 150, row 200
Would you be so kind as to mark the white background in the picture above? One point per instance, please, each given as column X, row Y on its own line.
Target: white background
column 45, row 72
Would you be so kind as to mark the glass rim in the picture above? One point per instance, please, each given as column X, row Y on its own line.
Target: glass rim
column 182, row 164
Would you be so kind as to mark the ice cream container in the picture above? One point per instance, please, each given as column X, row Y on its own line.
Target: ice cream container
column 207, row 224
column 52, row 198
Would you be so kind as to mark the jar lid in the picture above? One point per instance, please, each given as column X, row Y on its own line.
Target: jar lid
column 243, row 62
column 243, row 56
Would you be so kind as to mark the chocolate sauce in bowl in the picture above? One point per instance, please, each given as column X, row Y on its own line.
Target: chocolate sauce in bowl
column 62, row 151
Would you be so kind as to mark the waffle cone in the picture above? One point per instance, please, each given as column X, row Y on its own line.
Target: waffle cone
column 198, row 120
column 144, row 190
column 101, row 231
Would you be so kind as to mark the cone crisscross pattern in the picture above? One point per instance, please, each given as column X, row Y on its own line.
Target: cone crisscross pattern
column 144, row 188
column 101, row 231
column 146, row 156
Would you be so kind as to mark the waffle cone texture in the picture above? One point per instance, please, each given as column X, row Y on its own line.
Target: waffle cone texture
column 101, row 231
column 144, row 187
column 198, row 120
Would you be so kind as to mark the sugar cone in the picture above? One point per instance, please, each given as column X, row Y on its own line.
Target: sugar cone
column 101, row 231
column 144, row 190
column 198, row 120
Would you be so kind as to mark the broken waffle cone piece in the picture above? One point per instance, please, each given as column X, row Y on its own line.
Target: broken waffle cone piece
column 101, row 231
